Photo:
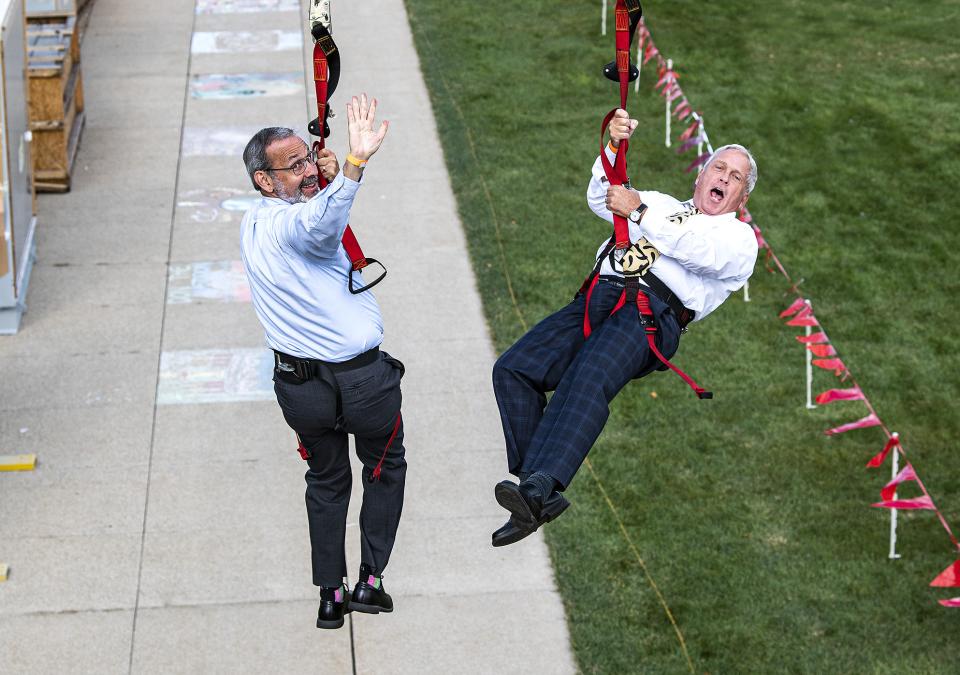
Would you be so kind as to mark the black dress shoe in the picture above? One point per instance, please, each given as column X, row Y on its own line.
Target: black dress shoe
column 369, row 599
column 330, row 614
column 527, row 511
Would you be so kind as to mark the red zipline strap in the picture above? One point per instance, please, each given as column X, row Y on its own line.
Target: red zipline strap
column 643, row 305
column 376, row 472
column 321, row 81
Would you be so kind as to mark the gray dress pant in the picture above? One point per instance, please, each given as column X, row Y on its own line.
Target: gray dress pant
column 370, row 406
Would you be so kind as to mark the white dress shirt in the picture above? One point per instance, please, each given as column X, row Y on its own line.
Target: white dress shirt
column 298, row 270
column 702, row 261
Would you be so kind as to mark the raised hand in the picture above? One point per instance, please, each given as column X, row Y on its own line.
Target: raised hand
column 361, row 116
column 621, row 126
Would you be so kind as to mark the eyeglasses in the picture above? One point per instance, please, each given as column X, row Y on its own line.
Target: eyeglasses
column 300, row 165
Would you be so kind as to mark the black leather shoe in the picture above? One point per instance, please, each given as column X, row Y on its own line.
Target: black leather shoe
column 527, row 511
column 330, row 614
column 367, row 598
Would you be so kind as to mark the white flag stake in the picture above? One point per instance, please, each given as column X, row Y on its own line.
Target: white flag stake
column 895, row 469
column 666, row 90
column 603, row 18
column 809, row 358
column 746, row 292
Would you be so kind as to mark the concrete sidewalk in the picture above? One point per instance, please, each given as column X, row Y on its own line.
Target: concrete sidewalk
column 163, row 529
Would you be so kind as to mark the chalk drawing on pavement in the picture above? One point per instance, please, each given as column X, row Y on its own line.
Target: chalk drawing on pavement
column 215, row 376
column 233, row 42
column 220, row 281
column 217, row 86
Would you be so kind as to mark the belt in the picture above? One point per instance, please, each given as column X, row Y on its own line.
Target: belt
column 307, row 368
column 683, row 315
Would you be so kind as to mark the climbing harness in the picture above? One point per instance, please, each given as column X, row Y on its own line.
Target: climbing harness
column 633, row 260
column 326, row 76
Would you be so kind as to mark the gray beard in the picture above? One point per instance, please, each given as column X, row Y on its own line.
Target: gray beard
column 291, row 198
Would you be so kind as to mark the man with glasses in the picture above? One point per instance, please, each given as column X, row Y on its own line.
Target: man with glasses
column 330, row 377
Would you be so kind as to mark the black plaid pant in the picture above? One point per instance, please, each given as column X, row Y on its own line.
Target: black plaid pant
column 584, row 375
column 370, row 405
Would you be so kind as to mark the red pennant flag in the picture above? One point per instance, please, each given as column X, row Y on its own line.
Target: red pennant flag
column 952, row 602
column 836, row 365
column 890, row 489
column 747, row 218
column 698, row 161
column 683, row 110
column 761, row 242
column 797, row 305
column 813, row 337
column 664, row 78
column 822, row 350
column 688, row 132
column 650, row 52
column 804, row 317
column 675, row 93
column 831, row 395
column 689, row 143
column 882, row 455
column 948, row 578
column 918, row 504
column 868, row 421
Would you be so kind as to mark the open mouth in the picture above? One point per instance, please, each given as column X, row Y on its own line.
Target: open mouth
column 716, row 194
column 309, row 185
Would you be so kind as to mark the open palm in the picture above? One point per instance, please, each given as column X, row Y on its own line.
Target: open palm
column 361, row 118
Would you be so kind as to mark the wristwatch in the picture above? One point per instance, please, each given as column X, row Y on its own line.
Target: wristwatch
column 637, row 214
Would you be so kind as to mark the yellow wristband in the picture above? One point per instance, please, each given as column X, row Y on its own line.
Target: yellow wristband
column 612, row 147
column 356, row 162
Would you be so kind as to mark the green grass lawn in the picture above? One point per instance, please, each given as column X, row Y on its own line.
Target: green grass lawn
column 754, row 525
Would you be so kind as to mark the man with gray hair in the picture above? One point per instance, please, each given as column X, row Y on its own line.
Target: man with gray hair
column 686, row 258
column 330, row 376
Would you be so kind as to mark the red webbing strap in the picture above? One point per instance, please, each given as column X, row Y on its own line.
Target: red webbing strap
column 320, row 81
column 643, row 304
column 376, row 472
column 617, row 175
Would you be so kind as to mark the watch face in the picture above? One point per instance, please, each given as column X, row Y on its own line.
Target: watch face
column 634, row 216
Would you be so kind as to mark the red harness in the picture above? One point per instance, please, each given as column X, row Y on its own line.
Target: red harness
column 628, row 13
column 324, row 55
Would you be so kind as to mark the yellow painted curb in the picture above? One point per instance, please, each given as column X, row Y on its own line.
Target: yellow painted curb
column 17, row 462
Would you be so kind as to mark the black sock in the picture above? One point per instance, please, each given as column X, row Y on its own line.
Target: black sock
column 544, row 483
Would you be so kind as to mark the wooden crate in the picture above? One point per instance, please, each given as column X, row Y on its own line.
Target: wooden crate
column 55, row 100
column 38, row 11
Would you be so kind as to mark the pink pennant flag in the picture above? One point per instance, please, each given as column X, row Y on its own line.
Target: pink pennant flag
column 878, row 458
column 890, row 489
column 804, row 318
column 813, row 338
column 697, row 162
column 747, row 218
column 948, row 578
column 650, row 52
column 822, row 350
column 794, row 307
column 831, row 395
column 688, row 132
column 683, row 110
column 761, row 242
column 868, row 421
column 689, row 143
column 952, row 602
column 675, row 93
column 918, row 504
column 836, row 365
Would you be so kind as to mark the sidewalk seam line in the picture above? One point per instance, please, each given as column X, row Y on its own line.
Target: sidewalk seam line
column 163, row 319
